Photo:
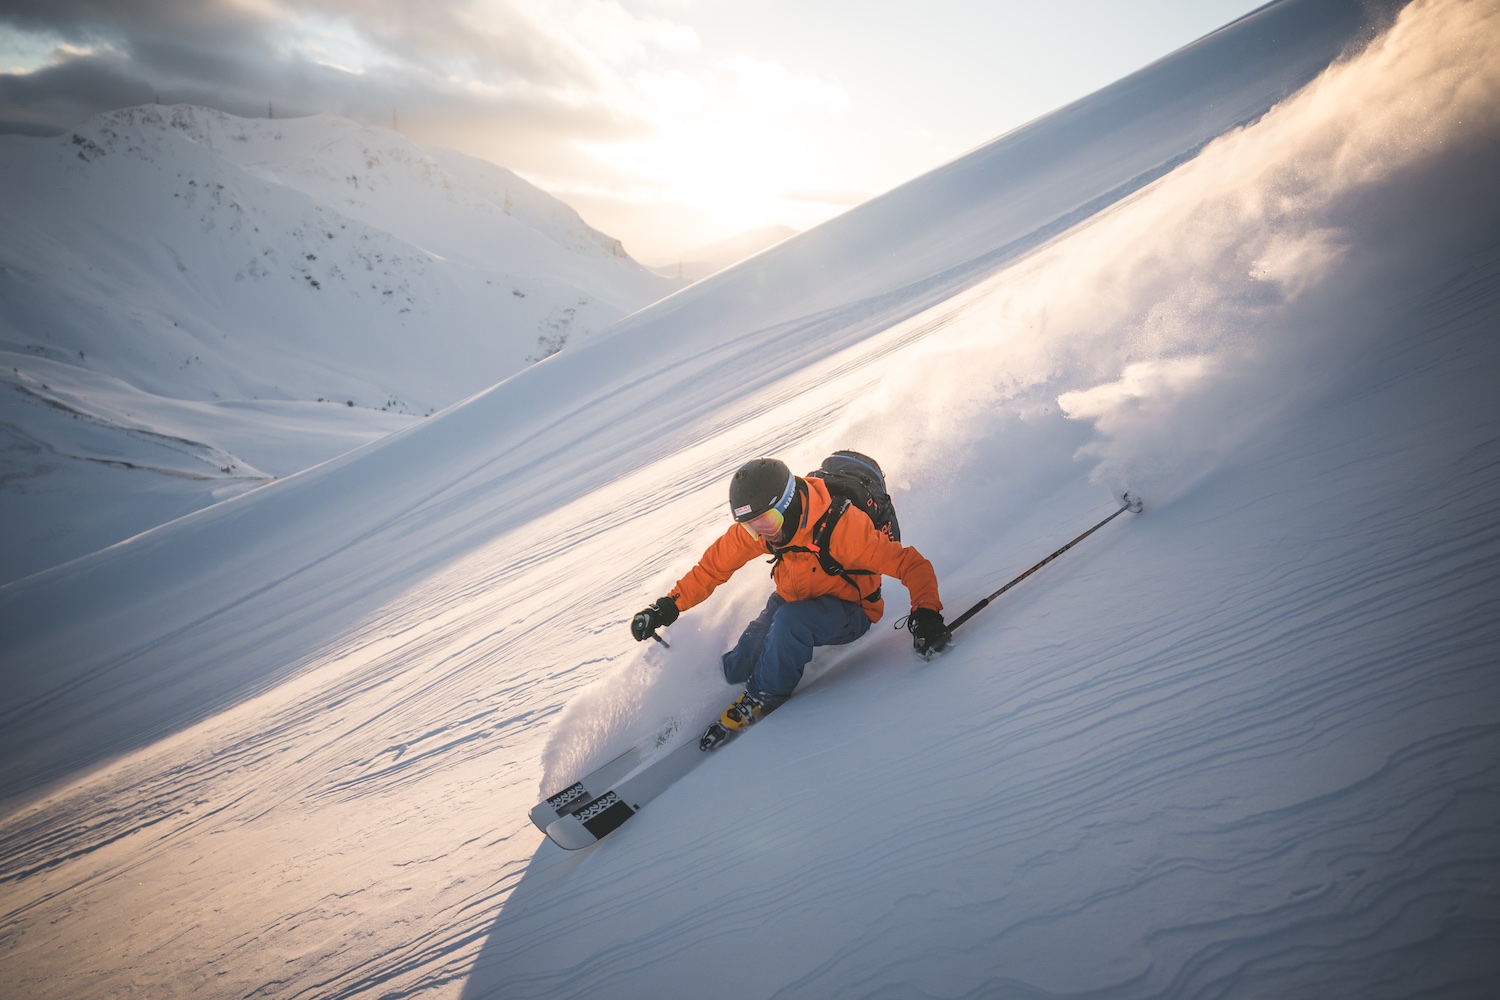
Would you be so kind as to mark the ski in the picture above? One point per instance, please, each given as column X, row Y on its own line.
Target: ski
column 587, row 788
column 597, row 818
column 598, row 781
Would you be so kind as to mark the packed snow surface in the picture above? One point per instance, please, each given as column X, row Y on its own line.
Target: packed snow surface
column 1243, row 744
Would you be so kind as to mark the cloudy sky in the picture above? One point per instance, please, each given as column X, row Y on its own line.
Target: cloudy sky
column 667, row 123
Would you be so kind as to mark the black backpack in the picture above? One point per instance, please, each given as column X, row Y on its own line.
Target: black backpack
column 853, row 480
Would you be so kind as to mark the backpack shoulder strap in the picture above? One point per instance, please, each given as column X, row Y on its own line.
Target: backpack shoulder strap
column 823, row 529
column 823, row 536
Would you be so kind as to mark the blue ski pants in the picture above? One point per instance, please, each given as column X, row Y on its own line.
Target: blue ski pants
column 778, row 644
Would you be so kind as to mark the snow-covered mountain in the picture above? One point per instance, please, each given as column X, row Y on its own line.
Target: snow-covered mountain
column 174, row 280
column 1244, row 744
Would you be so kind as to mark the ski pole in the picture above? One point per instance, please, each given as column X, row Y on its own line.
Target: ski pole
column 1132, row 503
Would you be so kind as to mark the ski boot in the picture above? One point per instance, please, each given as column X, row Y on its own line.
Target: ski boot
column 744, row 712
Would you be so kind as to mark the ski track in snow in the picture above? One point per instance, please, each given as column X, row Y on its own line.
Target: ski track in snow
column 1244, row 744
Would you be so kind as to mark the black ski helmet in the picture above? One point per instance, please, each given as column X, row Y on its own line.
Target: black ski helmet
column 759, row 485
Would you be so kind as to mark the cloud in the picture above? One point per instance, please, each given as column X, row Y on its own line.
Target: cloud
column 574, row 94
column 542, row 72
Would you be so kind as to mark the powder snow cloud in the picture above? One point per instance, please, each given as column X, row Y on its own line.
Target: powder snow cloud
column 1178, row 321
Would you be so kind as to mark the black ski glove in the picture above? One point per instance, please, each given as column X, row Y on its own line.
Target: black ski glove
column 644, row 625
column 930, row 635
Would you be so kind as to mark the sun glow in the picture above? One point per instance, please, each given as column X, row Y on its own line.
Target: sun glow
column 738, row 168
column 736, row 145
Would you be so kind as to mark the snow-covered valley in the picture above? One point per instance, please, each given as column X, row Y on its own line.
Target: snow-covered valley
column 1245, row 744
column 195, row 303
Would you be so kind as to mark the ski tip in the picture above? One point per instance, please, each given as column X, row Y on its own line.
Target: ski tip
column 1133, row 503
column 570, row 835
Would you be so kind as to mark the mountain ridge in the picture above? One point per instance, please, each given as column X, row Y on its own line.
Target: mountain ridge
column 298, row 264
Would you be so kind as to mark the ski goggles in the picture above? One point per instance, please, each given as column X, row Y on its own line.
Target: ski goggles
column 769, row 523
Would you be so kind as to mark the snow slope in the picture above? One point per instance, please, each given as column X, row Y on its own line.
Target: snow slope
column 258, row 272
column 699, row 262
column 1244, row 744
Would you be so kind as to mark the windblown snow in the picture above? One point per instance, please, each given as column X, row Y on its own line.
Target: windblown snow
column 1243, row 744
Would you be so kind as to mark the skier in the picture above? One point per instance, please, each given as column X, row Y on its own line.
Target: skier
column 775, row 513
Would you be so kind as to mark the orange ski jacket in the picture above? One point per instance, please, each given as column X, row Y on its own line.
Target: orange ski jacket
column 855, row 544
